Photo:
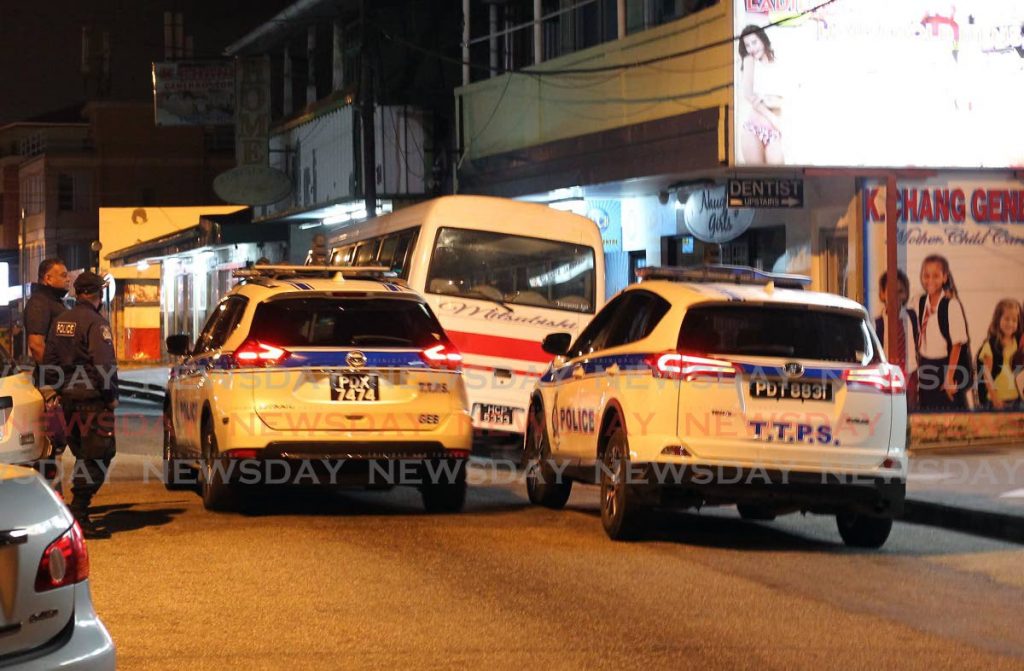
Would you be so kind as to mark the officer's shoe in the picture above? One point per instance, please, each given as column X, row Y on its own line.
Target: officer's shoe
column 89, row 528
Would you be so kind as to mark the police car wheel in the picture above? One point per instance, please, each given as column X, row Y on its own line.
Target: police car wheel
column 544, row 487
column 863, row 531
column 754, row 512
column 173, row 468
column 445, row 497
column 621, row 512
column 217, row 494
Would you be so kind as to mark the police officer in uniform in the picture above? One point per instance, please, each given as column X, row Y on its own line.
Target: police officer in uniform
column 80, row 350
column 44, row 305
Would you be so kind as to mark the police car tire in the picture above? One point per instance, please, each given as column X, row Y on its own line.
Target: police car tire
column 863, row 531
column 172, row 466
column 622, row 514
column 447, row 497
column 543, row 486
column 754, row 512
column 217, row 494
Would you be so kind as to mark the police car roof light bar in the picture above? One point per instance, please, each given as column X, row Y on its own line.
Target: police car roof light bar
column 723, row 273
column 280, row 270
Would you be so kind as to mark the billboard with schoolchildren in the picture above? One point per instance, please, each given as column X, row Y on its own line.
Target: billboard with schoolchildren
column 961, row 286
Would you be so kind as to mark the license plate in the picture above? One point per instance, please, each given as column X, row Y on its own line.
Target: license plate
column 792, row 390
column 354, row 387
column 496, row 414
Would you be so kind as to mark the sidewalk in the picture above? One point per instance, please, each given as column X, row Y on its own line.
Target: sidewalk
column 143, row 383
column 976, row 490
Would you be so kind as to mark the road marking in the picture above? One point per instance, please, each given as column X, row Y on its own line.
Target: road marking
column 1013, row 494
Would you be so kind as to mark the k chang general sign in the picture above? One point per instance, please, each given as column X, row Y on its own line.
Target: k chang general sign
column 952, row 205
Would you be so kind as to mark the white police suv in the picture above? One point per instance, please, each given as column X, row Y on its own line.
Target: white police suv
column 721, row 385
column 318, row 376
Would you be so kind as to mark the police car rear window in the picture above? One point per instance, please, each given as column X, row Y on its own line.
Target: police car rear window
column 798, row 333
column 345, row 322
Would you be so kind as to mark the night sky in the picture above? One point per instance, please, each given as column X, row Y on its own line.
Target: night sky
column 41, row 45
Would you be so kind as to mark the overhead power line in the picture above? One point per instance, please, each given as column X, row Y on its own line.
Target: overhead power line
column 535, row 71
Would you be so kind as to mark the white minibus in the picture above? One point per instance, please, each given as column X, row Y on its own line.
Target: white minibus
column 500, row 275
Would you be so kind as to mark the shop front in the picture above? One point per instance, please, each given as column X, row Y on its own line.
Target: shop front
column 167, row 285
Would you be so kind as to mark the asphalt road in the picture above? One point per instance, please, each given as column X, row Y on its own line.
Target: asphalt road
column 367, row 580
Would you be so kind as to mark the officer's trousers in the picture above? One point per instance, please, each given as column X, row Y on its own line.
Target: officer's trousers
column 90, row 436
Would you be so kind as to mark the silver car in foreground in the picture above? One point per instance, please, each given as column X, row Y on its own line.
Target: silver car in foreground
column 47, row 620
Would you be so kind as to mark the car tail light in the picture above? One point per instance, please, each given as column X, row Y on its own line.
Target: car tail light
column 65, row 561
column 689, row 367
column 242, row 454
column 884, row 377
column 442, row 355
column 259, row 354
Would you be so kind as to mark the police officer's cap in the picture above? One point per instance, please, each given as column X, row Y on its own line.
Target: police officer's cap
column 89, row 283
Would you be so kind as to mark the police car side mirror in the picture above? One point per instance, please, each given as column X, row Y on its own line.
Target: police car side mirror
column 557, row 343
column 178, row 344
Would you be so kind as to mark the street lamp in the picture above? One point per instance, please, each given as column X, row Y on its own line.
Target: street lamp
column 96, row 246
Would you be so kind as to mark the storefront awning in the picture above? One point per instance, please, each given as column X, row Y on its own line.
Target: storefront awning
column 680, row 144
column 214, row 230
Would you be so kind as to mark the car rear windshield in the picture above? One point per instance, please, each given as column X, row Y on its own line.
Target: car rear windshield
column 797, row 333
column 345, row 322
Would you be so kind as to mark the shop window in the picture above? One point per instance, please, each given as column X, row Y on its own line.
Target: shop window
column 835, row 254
column 65, row 192
column 637, row 260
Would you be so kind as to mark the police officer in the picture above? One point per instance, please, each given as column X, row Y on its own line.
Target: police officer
column 44, row 305
column 80, row 349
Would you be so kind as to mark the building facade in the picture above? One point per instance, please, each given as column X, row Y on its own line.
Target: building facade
column 766, row 134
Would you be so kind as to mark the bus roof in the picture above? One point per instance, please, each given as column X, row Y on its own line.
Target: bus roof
column 503, row 215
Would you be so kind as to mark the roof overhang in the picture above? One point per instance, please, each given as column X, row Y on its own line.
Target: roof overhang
column 287, row 23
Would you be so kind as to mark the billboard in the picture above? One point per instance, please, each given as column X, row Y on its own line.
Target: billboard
column 960, row 243
column 912, row 83
column 194, row 93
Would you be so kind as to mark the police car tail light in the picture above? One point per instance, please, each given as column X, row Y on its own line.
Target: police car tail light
column 442, row 355
column 65, row 561
column 688, row 367
column 256, row 353
column 884, row 377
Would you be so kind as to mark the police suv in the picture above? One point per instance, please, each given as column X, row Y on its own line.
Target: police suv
column 318, row 375
column 721, row 385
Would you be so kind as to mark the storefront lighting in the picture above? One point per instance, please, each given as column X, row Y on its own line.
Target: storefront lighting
column 142, row 266
column 576, row 205
column 310, row 224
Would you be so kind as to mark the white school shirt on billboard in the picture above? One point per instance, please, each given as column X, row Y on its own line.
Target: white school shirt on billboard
column 933, row 345
column 908, row 329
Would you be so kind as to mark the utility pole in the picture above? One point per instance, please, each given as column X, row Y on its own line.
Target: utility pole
column 366, row 102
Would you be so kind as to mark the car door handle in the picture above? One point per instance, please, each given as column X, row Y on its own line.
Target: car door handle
column 577, row 371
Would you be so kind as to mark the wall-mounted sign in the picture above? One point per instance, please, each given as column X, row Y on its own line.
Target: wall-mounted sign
column 879, row 83
column 194, row 93
column 765, row 192
column 708, row 218
column 252, row 117
column 252, row 185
